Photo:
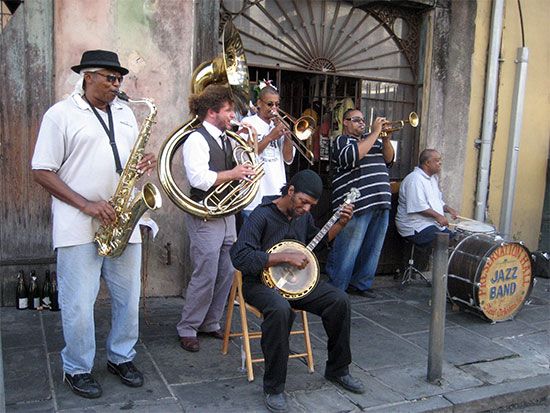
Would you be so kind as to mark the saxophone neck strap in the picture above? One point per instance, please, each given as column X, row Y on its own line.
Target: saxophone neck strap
column 110, row 131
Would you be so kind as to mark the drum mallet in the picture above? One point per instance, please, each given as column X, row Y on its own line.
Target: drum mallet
column 437, row 323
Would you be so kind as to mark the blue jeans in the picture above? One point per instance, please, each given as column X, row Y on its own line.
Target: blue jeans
column 425, row 237
column 353, row 258
column 79, row 269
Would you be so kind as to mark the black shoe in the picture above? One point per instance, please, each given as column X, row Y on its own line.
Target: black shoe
column 275, row 402
column 368, row 293
column 129, row 375
column 83, row 384
column 349, row 383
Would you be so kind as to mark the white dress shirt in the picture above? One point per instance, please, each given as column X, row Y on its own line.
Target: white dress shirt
column 196, row 158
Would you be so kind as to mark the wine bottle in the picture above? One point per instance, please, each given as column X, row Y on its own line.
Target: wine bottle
column 34, row 294
column 46, row 291
column 21, row 296
column 54, row 306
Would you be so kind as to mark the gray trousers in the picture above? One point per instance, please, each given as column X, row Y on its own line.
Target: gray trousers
column 210, row 242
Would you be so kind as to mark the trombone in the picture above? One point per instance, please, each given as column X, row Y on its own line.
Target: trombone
column 300, row 131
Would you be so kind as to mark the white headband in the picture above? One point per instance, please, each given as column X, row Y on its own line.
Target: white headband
column 79, row 86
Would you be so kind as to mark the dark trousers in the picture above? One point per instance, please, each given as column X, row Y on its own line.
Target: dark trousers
column 326, row 301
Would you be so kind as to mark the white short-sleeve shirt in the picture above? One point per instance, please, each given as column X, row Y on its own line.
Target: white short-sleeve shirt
column 73, row 144
column 273, row 162
column 418, row 192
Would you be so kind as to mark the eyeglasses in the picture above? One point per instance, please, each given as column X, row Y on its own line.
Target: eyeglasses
column 356, row 119
column 111, row 78
column 271, row 104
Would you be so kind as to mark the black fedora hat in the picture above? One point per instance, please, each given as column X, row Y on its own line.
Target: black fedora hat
column 100, row 58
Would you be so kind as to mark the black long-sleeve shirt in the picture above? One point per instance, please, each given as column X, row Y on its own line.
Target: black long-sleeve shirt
column 265, row 227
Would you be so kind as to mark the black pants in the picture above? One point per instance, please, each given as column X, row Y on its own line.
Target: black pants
column 328, row 302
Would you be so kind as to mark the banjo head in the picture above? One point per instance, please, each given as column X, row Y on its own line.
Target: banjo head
column 289, row 281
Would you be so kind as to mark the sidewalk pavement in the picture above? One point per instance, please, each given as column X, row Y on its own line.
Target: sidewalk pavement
column 486, row 366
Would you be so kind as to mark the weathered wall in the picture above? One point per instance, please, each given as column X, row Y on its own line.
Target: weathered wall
column 447, row 87
column 535, row 138
column 26, row 90
column 154, row 40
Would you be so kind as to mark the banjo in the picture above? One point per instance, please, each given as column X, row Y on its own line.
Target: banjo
column 291, row 282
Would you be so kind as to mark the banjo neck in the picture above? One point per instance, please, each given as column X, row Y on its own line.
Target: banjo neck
column 313, row 243
column 350, row 197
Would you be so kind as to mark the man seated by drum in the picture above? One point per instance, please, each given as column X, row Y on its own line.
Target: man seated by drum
column 287, row 217
column 421, row 210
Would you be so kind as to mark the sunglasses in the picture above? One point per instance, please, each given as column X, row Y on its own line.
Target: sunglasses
column 356, row 119
column 271, row 104
column 111, row 78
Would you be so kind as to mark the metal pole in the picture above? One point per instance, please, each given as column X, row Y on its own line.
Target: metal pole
column 437, row 324
column 491, row 87
column 513, row 143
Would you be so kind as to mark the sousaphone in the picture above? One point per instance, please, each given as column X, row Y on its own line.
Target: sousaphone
column 230, row 69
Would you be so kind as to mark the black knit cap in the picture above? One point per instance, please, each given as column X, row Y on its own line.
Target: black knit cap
column 100, row 58
column 308, row 182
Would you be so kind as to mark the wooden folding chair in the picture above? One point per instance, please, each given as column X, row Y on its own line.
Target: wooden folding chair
column 236, row 294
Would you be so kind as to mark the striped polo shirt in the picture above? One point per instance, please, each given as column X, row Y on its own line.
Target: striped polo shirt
column 369, row 175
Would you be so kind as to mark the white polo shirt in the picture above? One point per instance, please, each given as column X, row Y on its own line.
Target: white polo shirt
column 73, row 144
column 418, row 192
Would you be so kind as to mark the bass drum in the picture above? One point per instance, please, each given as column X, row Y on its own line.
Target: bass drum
column 489, row 276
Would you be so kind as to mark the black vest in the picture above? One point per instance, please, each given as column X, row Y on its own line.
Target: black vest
column 220, row 160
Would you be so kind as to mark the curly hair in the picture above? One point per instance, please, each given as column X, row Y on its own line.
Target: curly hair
column 212, row 97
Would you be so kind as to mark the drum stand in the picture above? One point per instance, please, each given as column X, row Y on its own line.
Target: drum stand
column 411, row 271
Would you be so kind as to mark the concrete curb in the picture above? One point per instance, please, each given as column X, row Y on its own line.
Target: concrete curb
column 477, row 399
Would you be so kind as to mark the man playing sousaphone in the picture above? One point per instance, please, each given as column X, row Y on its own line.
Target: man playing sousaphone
column 208, row 161
column 281, row 217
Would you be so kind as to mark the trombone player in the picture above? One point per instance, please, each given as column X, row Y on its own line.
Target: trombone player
column 275, row 147
column 208, row 162
column 361, row 161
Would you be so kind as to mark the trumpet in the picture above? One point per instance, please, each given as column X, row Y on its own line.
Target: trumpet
column 300, row 131
column 395, row 125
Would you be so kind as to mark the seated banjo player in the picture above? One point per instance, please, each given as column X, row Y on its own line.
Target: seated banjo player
column 287, row 217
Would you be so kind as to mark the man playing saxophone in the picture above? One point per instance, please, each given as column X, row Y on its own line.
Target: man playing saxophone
column 83, row 143
column 208, row 161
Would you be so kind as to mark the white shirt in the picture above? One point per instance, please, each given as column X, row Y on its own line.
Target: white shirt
column 273, row 159
column 418, row 192
column 196, row 158
column 73, row 144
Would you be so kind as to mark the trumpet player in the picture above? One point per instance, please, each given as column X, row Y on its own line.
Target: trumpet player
column 275, row 147
column 360, row 161
column 208, row 161
column 75, row 161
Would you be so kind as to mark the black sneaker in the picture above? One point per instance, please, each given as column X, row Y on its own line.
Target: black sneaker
column 84, row 385
column 129, row 375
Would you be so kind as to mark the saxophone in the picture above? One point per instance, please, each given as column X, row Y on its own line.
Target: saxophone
column 112, row 239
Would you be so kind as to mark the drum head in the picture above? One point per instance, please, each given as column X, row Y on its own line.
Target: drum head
column 505, row 281
column 475, row 227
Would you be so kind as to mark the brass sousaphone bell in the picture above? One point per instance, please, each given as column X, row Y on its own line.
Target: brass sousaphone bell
column 228, row 198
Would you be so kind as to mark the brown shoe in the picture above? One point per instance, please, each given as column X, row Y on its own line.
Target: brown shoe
column 216, row 334
column 190, row 344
